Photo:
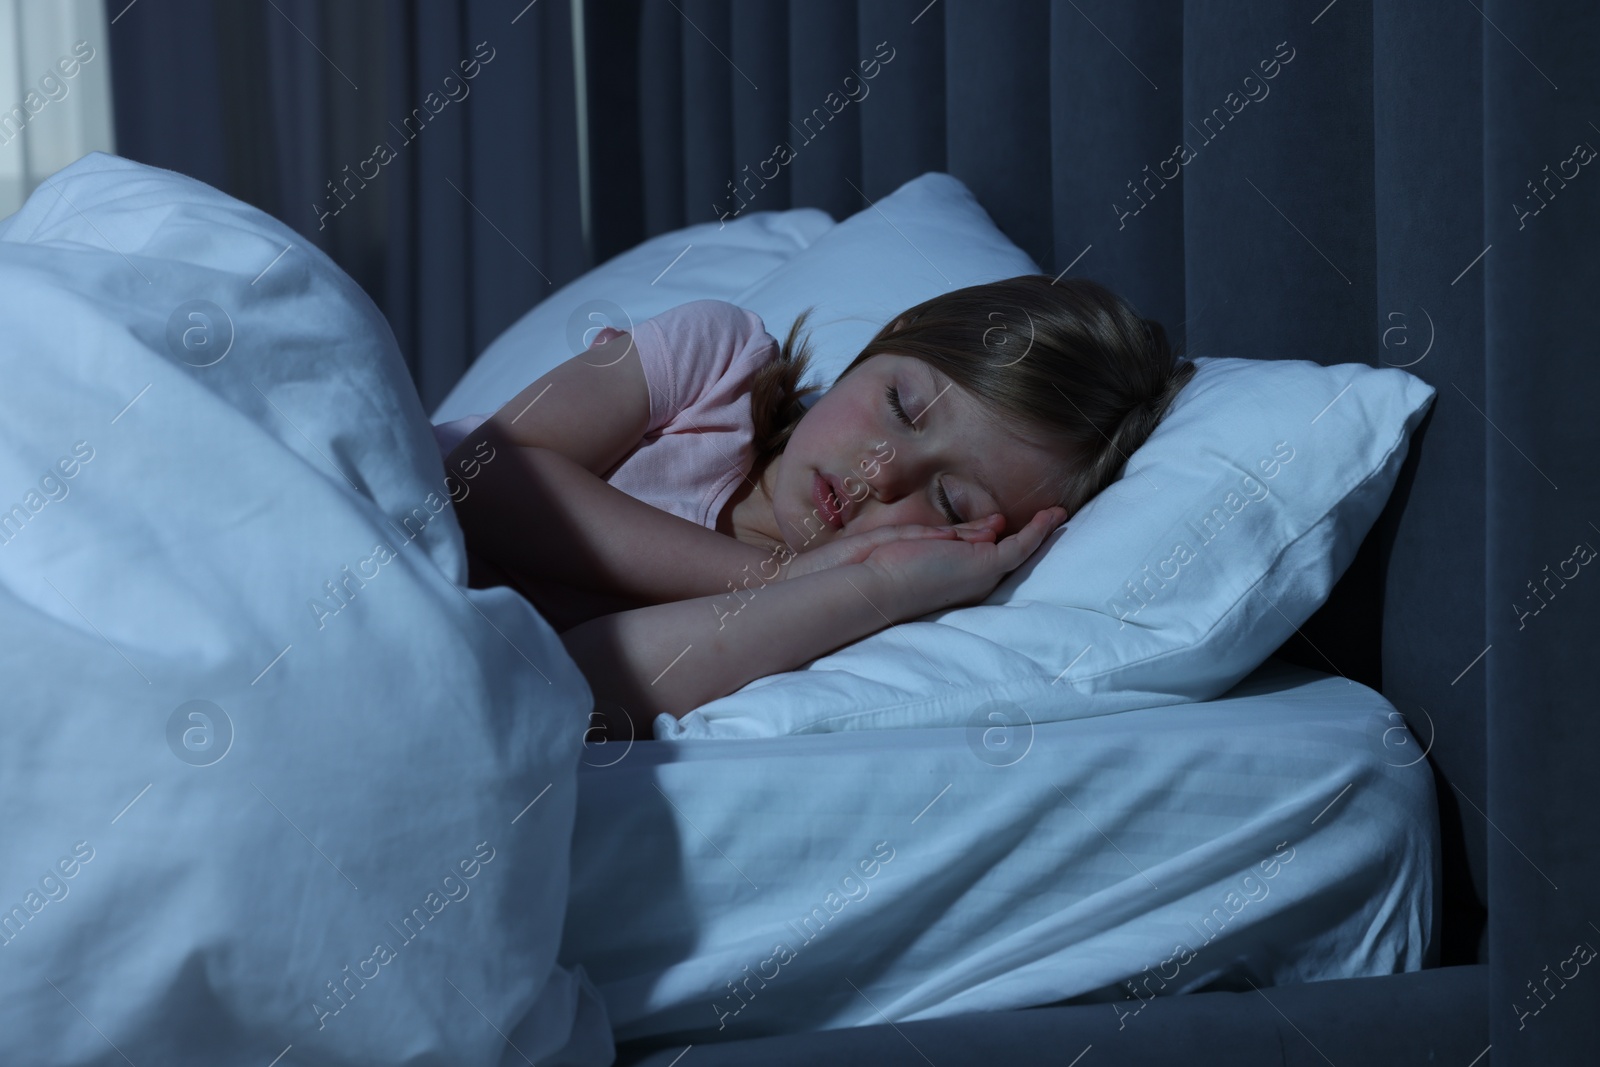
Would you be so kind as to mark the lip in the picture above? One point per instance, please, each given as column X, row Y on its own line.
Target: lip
column 820, row 485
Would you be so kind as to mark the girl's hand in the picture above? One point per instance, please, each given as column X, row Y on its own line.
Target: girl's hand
column 919, row 576
column 856, row 548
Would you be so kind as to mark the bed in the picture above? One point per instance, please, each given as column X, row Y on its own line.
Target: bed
column 1360, row 204
column 1258, row 840
column 766, row 866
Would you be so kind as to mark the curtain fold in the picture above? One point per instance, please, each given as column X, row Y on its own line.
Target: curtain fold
column 1540, row 272
column 55, row 92
column 429, row 148
column 1426, row 170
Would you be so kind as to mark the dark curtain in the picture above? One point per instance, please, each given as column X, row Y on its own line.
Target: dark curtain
column 453, row 200
column 1395, row 184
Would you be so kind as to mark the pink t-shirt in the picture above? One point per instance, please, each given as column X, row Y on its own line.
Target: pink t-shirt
column 699, row 359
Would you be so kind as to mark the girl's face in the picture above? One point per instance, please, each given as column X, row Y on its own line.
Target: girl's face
column 889, row 471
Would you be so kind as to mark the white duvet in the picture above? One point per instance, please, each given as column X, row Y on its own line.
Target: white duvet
column 276, row 788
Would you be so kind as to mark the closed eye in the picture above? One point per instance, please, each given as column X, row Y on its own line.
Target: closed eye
column 893, row 395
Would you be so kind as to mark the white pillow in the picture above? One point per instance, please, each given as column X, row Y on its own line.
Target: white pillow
column 1297, row 458
column 710, row 260
column 226, row 785
column 927, row 237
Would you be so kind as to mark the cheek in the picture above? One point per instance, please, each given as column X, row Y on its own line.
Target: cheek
column 855, row 486
column 861, row 526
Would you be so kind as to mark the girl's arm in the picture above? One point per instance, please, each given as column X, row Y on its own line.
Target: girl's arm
column 536, row 508
column 674, row 657
column 563, row 606
column 535, row 512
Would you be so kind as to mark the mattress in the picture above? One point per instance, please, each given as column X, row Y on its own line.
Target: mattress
column 1285, row 832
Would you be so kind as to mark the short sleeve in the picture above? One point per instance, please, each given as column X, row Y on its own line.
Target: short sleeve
column 696, row 351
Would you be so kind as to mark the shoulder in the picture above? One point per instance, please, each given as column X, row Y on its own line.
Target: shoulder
column 701, row 354
column 712, row 316
column 703, row 340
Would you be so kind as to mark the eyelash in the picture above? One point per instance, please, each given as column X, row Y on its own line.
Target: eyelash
column 893, row 395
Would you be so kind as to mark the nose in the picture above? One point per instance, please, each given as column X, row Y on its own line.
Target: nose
column 888, row 474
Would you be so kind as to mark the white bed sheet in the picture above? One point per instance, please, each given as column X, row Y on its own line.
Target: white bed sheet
column 1286, row 832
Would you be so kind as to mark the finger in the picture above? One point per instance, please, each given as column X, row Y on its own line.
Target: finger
column 882, row 535
column 975, row 531
column 1027, row 540
column 913, row 531
column 1046, row 517
column 973, row 535
column 1052, row 517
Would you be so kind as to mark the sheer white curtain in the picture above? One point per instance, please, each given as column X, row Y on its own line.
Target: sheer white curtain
column 55, row 90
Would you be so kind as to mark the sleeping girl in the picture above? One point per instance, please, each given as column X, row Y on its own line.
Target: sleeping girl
column 689, row 517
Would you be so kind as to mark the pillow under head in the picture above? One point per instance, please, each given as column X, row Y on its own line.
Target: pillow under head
column 1222, row 534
